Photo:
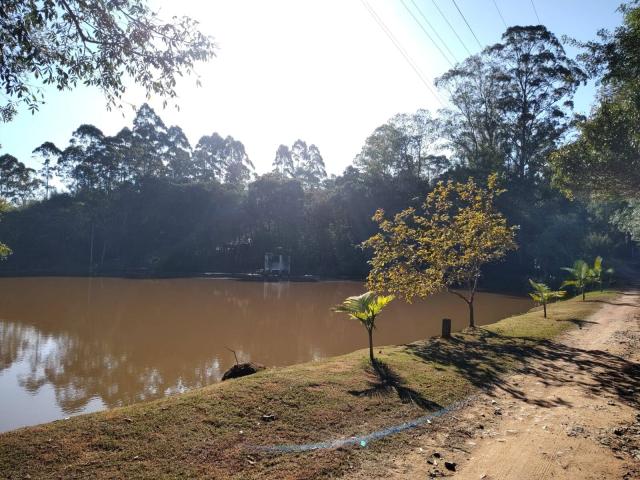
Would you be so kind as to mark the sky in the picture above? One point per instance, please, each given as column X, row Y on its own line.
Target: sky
column 323, row 71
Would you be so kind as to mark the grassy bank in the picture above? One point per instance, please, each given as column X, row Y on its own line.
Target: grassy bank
column 211, row 432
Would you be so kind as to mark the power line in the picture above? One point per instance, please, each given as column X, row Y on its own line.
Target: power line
column 451, row 26
column 434, row 29
column 535, row 11
column 426, row 33
column 402, row 51
column 500, row 13
column 468, row 26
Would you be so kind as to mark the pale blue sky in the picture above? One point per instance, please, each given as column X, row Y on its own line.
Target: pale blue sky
column 320, row 70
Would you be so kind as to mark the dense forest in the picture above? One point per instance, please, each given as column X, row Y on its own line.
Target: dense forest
column 145, row 201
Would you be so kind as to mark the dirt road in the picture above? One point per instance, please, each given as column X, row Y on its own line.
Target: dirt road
column 572, row 412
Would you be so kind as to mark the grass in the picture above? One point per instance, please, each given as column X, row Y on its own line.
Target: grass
column 211, row 432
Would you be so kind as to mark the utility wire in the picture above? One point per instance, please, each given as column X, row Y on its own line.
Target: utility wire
column 468, row 26
column 451, row 26
column 500, row 13
column 535, row 11
column 426, row 33
column 402, row 51
column 419, row 10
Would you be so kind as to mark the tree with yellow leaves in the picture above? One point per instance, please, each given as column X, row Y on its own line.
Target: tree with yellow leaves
column 443, row 245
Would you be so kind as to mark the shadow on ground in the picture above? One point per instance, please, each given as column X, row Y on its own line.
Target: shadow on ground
column 383, row 380
column 484, row 358
column 619, row 304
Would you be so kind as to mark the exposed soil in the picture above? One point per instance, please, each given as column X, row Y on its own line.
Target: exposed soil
column 570, row 412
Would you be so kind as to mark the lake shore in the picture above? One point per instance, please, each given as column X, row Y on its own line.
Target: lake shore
column 221, row 431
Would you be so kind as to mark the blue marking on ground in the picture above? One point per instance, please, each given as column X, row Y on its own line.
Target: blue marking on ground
column 361, row 440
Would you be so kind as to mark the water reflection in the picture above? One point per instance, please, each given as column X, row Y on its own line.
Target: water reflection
column 70, row 345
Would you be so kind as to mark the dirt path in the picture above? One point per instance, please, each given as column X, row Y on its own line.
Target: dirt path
column 570, row 413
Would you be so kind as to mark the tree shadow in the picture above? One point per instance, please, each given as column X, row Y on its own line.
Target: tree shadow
column 579, row 322
column 383, row 380
column 619, row 304
column 485, row 359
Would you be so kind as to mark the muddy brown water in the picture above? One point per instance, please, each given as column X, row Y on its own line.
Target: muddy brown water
column 76, row 345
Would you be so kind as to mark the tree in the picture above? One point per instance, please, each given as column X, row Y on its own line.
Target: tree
column 209, row 158
column 283, row 163
column 365, row 308
column 542, row 294
column 64, row 43
column 301, row 162
column 603, row 160
column 512, row 102
column 48, row 152
column 473, row 127
column 441, row 246
column 598, row 270
column 150, row 142
column 581, row 277
column 179, row 155
column 627, row 219
column 222, row 159
column 89, row 162
column 276, row 208
column 18, row 183
column 406, row 146
column 238, row 168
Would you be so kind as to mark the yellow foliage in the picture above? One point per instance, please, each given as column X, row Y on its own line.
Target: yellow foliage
column 443, row 245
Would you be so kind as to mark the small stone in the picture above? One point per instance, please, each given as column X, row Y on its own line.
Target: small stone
column 268, row 418
column 450, row 466
column 437, row 454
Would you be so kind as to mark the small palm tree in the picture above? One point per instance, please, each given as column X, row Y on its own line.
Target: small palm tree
column 581, row 275
column 544, row 295
column 598, row 270
column 365, row 308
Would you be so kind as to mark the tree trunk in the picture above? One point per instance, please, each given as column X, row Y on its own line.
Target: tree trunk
column 472, row 321
column 373, row 360
column 583, row 294
column 544, row 308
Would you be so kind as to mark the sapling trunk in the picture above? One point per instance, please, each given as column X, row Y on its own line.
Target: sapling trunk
column 373, row 360
column 472, row 321
column 544, row 309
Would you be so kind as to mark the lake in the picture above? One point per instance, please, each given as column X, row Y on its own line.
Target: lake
column 76, row 345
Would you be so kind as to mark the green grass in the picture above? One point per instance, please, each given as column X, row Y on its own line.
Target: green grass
column 211, row 432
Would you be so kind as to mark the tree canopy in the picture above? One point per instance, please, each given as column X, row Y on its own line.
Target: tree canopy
column 443, row 245
column 604, row 159
column 64, row 43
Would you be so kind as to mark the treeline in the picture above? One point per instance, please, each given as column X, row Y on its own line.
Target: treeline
column 146, row 200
